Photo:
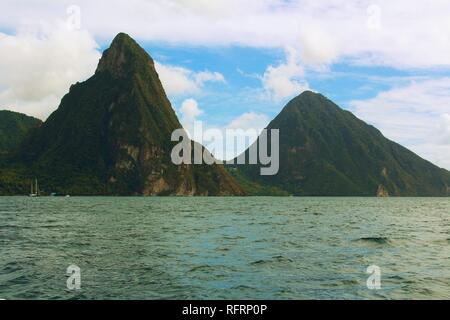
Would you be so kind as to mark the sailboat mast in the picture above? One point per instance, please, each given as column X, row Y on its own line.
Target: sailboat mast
column 37, row 189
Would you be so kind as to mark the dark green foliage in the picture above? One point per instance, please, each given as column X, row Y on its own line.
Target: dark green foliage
column 13, row 128
column 326, row 151
column 253, row 188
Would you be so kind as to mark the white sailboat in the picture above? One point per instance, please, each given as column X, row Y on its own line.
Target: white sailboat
column 36, row 190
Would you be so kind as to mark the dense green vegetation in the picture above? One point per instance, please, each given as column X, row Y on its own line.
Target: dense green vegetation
column 253, row 188
column 111, row 135
column 326, row 151
column 14, row 178
column 13, row 128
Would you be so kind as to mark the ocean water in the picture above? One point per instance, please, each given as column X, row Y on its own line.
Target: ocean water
column 224, row 248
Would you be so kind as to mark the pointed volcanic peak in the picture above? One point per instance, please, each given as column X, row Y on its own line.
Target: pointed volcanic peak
column 125, row 57
column 327, row 151
column 112, row 135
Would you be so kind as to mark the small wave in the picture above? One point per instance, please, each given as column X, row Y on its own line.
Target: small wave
column 10, row 267
column 274, row 259
column 210, row 268
column 233, row 237
column 52, row 226
column 258, row 262
column 242, row 287
column 340, row 283
column 396, row 277
column 13, row 226
column 201, row 268
column 375, row 240
column 22, row 279
column 281, row 259
column 349, row 282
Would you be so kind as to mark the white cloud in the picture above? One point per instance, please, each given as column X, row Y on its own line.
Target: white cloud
column 181, row 81
column 176, row 80
column 247, row 127
column 250, row 120
column 401, row 33
column 416, row 115
column 286, row 79
column 40, row 62
column 37, row 67
column 205, row 76
column 317, row 45
column 190, row 110
column 444, row 129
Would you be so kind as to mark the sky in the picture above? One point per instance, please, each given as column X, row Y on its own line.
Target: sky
column 232, row 63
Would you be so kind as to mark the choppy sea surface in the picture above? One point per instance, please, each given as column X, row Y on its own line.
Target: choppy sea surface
column 224, row 248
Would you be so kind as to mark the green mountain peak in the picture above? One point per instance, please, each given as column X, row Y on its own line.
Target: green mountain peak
column 124, row 58
column 328, row 151
column 112, row 135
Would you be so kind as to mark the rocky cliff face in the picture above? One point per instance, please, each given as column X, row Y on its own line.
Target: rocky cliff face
column 112, row 135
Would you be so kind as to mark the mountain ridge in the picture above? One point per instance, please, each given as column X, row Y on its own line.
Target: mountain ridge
column 328, row 151
column 111, row 135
